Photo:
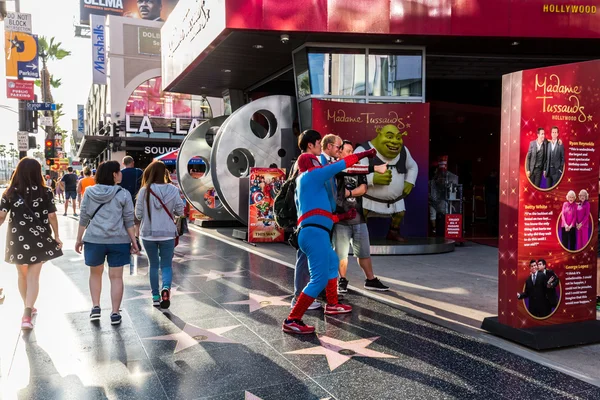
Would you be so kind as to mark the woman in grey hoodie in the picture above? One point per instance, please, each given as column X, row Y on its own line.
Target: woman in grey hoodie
column 157, row 203
column 106, row 233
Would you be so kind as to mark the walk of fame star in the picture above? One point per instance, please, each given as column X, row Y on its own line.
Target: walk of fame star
column 147, row 294
column 338, row 352
column 213, row 275
column 191, row 335
column 256, row 301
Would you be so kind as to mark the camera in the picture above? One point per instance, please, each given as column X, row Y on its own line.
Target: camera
column 284, row 38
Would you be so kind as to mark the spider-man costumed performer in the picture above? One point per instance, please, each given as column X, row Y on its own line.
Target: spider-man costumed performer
column 315, row 222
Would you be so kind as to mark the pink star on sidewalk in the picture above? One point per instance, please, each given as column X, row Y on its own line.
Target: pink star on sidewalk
column 338, row 352
column 191, row 335
column 213, row 275
column 147, row 294
column 256, row 301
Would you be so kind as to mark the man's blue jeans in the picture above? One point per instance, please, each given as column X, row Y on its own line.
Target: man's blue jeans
column 301, row 273
column 160, row 255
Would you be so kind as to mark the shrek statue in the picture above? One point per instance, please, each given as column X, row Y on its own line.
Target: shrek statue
column 386, row 192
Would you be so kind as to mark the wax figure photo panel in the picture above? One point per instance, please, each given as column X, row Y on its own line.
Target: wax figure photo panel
column 548, row 186
column 400, row 134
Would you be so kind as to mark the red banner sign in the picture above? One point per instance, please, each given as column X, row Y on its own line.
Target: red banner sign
column 549, row 195
column 501, row 18
column 19, row 89
column 454, row 226
column 265, row 183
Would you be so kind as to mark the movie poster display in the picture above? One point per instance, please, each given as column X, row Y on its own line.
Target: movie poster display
column 399, row 130
column 265, row 183
column 549, row 195
column 151, row 10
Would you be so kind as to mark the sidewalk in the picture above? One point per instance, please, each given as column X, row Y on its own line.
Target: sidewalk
column 221, row 339
column 456, row 290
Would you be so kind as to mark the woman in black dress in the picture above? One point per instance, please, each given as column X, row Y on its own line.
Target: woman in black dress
column 31, row 212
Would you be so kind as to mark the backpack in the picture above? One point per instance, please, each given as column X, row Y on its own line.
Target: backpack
column 284, row 207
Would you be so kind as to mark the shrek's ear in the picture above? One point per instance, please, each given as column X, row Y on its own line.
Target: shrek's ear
column 378, row 130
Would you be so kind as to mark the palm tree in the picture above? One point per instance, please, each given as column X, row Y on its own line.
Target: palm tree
column 50, row 51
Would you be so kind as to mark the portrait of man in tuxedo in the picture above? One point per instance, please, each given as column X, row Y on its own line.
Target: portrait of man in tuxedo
column 536, row 292
column 552, row 282
column 555, row 159
column 535, row 161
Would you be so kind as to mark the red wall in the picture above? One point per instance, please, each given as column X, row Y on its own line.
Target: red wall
column 504, row 18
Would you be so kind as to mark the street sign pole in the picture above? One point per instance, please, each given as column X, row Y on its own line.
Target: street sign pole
column 22, row 103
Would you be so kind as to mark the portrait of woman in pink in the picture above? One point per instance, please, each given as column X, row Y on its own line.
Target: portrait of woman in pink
column 568, row 236
column 582, row 219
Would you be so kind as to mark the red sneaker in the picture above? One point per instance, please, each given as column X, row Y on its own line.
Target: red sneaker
column 26, row 324
column 297, row 326
column 337, row 309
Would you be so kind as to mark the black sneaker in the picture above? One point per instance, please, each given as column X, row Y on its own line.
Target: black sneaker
column 95, row 314
column 115, row 319
column 343, row 285
column 375, row 284
column 165, row 298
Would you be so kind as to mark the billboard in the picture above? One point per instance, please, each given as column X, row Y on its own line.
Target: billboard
column 99, row 63
column 549, row 196
column 409, row 124
column 21, row 53
column 151, row 10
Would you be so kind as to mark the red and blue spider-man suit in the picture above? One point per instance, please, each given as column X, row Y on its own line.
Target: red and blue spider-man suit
column 315, row 221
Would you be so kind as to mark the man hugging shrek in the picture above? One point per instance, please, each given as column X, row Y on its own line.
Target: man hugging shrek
column 386, row 192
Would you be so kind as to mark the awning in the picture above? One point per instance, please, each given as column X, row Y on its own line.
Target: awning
column 92, row 146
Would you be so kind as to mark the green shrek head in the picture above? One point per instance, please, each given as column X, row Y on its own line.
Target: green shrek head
column 388, row 141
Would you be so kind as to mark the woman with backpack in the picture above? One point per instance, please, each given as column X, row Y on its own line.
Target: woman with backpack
column 157, row 203
column 29, row 204
column 106, row 233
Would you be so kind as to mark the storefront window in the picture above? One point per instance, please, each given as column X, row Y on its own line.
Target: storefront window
column 148, row 100
column 337, row 74
column 302, row 78
column 399, row 74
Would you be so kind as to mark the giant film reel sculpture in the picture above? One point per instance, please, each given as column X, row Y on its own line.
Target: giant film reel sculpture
column 197, row 144
column 243, row 143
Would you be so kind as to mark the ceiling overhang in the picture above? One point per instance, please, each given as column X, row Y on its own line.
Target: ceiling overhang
column 447, row 57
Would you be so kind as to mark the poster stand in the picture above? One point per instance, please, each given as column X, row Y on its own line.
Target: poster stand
column 548, row 237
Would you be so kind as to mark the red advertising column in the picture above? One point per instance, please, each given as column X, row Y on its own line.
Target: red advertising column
column 549, row 170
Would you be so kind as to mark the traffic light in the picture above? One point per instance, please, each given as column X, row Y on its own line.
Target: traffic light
column 49, row 161
column 49, row 148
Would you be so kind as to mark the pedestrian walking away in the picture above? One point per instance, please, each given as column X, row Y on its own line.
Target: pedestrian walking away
column 106, row 234
column 32, row 237
column 69, row 186
column 157, row 203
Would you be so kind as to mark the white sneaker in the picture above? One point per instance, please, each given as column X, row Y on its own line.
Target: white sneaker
column 314, row 306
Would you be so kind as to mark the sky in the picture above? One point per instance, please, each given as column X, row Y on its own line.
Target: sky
column 49, row 19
